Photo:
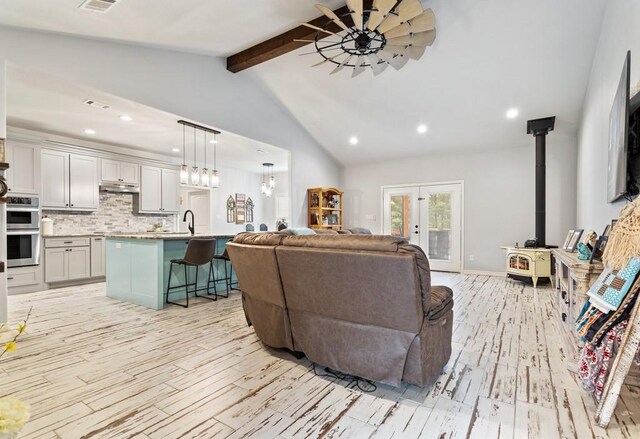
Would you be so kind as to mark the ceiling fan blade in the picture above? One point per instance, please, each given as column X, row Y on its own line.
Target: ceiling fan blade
column 355, row 6
column 326, row 60
column 377, row 65
column 359, row 68
column 415, row 52
column 396, row 50
column 382, row 8
column 406, row 10
column 332, row 15
column 304, row 41
column 420, row 39
column 422, row 23
column 395, row 61
column 309, row 25
column 342, row 64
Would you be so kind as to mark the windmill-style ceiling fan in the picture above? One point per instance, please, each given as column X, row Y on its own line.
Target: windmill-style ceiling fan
column 389, row 34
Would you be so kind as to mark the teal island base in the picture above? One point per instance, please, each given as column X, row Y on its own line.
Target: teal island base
column 138, row 268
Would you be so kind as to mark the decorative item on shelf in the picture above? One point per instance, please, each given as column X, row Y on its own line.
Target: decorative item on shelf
column 567, row 240
column 268, row 180
column 231, row 210
column 215, row 178
column 584, row 254
column 204, row 175
column 390, row 33
column 240, row 208
column 184, row 169
column 249, row 210
column 598, row 248
column 574, row 240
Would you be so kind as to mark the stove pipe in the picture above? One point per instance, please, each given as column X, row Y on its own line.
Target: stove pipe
column 540, row 128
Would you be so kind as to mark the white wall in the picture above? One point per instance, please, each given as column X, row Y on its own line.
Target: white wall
column 193, row 86
column 620, row 32
column 498, row 200
column 232, row 182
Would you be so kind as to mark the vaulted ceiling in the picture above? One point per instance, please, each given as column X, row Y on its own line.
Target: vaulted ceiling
column 489, row 56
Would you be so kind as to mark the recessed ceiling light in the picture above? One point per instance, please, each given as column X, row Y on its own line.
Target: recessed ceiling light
column 89, row 131
column 213, row 141
column 175, row 149
column 512, row 113
column 126, row 118
column 353, row 140
column 422, row 128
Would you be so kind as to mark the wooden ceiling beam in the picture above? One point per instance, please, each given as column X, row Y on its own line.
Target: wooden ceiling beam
column 283, row 43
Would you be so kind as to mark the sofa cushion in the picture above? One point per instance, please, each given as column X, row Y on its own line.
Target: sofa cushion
column 360, row 231
column 440, row 302
column 302, row 231
column 252, row 238
column 374, row 243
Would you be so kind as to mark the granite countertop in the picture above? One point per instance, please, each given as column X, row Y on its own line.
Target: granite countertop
column 166, row 236
column 75, row 235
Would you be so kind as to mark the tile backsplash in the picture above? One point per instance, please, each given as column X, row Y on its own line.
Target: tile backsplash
column 115, row 214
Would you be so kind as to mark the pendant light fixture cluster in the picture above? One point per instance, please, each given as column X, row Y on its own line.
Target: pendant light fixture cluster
column 195, row 176
column 268, row 180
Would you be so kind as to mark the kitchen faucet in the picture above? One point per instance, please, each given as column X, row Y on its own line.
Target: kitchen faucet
column 192, row 224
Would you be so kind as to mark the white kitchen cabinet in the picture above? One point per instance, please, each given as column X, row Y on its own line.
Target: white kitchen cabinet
column 170, row 196
column 113, row 171
column 98, row 257
column 67, row 259
column 69, row 181
column 23, row 175
column 78, row 262
column 23, row 276
column 158, row 190
column 83, row 182
column 55, row 179
column 55, row 264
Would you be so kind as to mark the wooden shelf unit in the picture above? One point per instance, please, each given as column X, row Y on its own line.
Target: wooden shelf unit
column 320, row 212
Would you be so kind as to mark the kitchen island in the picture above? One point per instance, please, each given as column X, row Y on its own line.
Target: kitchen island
column 138, row 266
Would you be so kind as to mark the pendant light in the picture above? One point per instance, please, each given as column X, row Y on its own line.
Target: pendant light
column 215, row 178
column 195, row 173
column 184, row 170
column 205, row 172
column 268, row 181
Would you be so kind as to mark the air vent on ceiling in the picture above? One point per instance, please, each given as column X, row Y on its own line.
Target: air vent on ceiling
column 98, row 5
column 96, row 104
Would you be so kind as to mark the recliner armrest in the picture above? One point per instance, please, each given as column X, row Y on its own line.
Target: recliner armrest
column 440, row 302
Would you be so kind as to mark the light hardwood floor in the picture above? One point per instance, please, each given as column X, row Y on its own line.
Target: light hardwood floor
column 94, row 367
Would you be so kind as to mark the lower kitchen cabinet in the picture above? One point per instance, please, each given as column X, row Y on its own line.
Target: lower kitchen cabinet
column 67, row 259
column 98, row 257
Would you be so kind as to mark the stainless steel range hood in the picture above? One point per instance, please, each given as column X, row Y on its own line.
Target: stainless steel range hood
column 120, row 188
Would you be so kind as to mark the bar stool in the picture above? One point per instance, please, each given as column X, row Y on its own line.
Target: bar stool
column 199, row 252
column 228, row 273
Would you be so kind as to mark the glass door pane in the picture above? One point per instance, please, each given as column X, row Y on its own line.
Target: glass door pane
column 440, row 226
column 401, row 213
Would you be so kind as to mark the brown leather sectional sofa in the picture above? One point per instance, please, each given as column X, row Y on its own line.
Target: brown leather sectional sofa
column 360, row 304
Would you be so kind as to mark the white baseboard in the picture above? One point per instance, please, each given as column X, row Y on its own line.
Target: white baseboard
column 485, row 273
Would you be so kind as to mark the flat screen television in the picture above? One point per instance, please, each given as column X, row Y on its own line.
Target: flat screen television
column 619, row 137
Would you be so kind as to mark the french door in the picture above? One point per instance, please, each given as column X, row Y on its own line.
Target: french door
column 429, row 216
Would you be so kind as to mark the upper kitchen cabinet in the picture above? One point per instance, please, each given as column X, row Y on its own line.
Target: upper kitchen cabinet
column 70, row 181
column 158, row 190
column 113, row 171
column 23, row 175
